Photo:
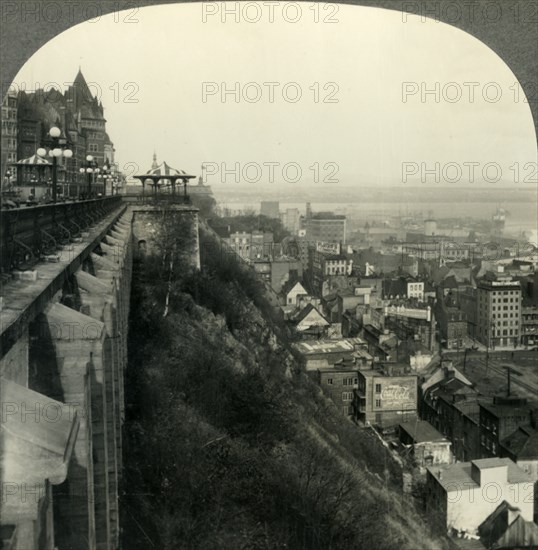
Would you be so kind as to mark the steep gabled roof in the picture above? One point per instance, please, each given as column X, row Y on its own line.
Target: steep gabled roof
column 446, row 389
column 297, row 287
column 307, row 310
column 80, row 82
column 520, row 533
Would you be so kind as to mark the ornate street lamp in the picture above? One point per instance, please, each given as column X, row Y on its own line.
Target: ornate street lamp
column 57, row 149
column 106, row 175
column 8, row 176
column 33, row 182
column 91, row 169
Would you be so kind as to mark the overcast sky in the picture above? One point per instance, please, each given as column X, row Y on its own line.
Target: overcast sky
column 150, row 73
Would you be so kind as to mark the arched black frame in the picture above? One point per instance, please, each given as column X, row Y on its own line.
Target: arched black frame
column 508, row 27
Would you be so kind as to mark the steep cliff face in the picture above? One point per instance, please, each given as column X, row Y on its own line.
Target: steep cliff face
column 229, row 445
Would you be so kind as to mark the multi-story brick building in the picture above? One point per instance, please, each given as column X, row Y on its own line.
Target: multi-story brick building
column 451, row 404
column 254, row 245
column 428, row 446
column 521, row 446
column 270, row 209
column 386, row 396
column 325, row 265
column 529, row 311
column 80, row 117
column 452, row 323
column 466, row 440
column 498, row 313
column 278, row 271
column 319, row 354
column 501, row 418
column 291, row 220
column 403, row 287
column 411, row 322
column 326, row 227
column 339, row 380
column 461, row 496
column 9, row 136
column 529, row 325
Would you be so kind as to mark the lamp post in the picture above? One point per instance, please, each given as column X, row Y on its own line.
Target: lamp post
column 57, row 150
column 8, row 178
column 116, row 185
column 489, row 341
column 106, row 175
column 90, row 169
column 33, row 182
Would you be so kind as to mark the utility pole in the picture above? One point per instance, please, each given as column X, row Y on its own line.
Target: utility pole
column 509, row 371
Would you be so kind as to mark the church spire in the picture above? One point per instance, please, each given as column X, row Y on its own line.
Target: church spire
column 154, row 164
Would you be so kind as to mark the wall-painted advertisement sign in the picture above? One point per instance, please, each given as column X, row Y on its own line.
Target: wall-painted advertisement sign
column 328, row 248
column 400, row 395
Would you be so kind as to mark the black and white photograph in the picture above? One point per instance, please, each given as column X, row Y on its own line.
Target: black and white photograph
column 269, row 275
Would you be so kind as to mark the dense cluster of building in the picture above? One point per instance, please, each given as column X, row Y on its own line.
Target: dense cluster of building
column 376, row 325
column 27, row 118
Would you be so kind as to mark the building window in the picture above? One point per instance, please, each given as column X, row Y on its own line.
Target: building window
column 378, row 402
column 329, row 381
column 378, row 388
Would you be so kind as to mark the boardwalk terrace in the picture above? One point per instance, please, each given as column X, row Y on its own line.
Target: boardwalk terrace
column 36, row 452
column 63, row 354
column 64, row 358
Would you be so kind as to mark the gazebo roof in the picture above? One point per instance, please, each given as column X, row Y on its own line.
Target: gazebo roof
column 34, row 160
column 165, row 169
column 164, row 172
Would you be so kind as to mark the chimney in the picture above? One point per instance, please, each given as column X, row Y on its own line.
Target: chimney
column 449, row 371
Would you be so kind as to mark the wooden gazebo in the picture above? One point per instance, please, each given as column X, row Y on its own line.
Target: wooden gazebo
column 163, row 176
column 33, row 166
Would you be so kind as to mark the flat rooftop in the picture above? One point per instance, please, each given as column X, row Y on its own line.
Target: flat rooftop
column 507, row 409
column 457, row 476
column 315, row 347
column 421, row 431
column 395, row 370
